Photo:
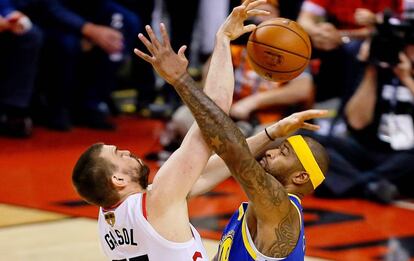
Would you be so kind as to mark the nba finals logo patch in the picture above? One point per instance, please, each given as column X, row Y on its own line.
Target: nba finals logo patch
column 110, row 218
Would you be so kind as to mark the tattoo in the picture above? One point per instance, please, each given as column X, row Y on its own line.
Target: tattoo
column 285, row 237
column 225, row 138
column 267, row 191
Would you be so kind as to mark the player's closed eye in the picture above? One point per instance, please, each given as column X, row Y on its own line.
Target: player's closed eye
column 284, row 150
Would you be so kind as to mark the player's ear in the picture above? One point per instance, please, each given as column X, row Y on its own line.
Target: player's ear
column 300, row 177
column 118, row 180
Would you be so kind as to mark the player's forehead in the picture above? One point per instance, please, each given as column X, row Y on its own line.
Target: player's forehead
column 108, row 146
column 108, row 149
column 283, row 144
column 286, row 143
column 287, row 147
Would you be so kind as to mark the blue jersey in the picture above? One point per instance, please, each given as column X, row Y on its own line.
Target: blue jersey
column 237, row 245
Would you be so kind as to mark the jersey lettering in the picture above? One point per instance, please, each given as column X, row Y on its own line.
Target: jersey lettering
column 122, row 238
column 109, row 241
column 113, row 238
column 132, row 238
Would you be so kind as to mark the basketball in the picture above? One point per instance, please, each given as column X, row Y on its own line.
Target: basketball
column 279, row 49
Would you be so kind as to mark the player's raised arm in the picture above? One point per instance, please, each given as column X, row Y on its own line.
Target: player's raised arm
column 184, row 166
column 229, row 143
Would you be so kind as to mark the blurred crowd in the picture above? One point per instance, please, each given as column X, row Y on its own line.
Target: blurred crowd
column 62, row 61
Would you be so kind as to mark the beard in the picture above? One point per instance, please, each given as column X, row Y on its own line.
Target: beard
column 279, row 176
column 144, row 175
column 276, row 173
column 141, row 175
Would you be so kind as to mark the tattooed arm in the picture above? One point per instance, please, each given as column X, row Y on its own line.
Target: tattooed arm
column 273, row 220
column 266, row 193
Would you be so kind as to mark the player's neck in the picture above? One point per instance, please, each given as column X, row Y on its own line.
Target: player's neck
column 125, row 194
column 294, row 190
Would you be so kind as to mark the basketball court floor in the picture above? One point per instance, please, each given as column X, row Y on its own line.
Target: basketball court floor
column 42, row 218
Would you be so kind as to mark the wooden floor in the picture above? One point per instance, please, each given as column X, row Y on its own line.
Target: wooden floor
column 42, row 218
column 43, row 235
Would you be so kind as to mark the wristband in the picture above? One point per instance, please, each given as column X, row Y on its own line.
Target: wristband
column 270, row 138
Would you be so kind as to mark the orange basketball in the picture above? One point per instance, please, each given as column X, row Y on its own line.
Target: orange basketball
column 279, row 49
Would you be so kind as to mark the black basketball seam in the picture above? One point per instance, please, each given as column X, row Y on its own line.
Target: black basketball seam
column 277, row 48
column 263, row 67
column 307, row 46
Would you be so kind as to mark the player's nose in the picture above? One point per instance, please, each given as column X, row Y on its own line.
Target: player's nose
column 270, row 154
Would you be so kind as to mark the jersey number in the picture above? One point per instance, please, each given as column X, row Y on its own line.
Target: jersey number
column 197, row 255
column 224, row 248
column 137, row 258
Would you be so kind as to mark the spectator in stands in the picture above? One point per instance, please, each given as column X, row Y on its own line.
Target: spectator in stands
column 211, row 14
column 85, row 43
column 376, row 160
column 20, row 43
column 182, row 15
column 141, row 76
column 337, row 29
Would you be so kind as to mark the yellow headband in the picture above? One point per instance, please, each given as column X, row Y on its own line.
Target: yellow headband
column 307, row 159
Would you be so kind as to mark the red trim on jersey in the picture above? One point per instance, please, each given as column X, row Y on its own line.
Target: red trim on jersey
column 144, row 205
column 112, row 207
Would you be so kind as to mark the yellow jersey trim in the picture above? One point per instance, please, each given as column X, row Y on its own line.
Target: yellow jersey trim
column 293, row 195
column 307, row 159
column 300, row 216
column 246, row 240
column 241, row 212
column 297, row 208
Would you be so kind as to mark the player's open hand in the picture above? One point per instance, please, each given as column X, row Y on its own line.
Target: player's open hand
column 168, row 64
column 233, row 27
column 296, row 121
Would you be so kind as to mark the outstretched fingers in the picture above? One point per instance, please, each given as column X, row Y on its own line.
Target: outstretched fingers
column 310, row 126
column 154, row 40
column 257, row 12
column 181, row 52
column 312, row 114
column 144, row 56
column 247, row 2
column 147, row 43
column 164, row 35
column 251, row 4
column 249, row 28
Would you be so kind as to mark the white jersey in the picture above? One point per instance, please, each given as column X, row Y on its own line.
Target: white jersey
column 125, row 234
